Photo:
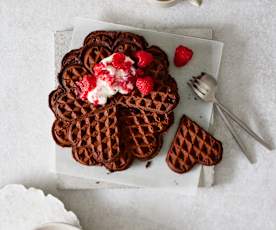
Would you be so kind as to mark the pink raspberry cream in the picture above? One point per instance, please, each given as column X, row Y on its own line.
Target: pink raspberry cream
column 113, row 74
column 87, row 83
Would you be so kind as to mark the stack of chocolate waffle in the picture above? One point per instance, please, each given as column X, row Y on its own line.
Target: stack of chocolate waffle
column 128, row 126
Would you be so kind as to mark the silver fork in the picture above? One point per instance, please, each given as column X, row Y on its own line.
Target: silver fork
column 205, row 88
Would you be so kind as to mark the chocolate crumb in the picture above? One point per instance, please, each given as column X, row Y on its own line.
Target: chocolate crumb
column 148, row 164
column 97, row 182
column 175, row 182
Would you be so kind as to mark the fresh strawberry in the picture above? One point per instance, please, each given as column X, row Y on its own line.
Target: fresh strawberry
column 144, row 58
column 182, row 56
column 145, row 84
column 87, row 83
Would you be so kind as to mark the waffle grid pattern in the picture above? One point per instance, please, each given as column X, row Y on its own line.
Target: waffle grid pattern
column 192, row 145
column 128, row 126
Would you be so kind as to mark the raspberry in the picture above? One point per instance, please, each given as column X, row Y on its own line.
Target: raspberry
column 85, row 85
column 126, row 66
column 182, row 56
column 118, row 60
column 145, row 84
column 144, row 58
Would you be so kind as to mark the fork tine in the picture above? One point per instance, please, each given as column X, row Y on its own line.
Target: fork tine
column 204, row 85
column 196, row 91
column 197, row 85
column 201, row 84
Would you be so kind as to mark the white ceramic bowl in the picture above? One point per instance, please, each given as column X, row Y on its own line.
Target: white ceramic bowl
column 164, row 3
column 30, row 209
column 57, row 226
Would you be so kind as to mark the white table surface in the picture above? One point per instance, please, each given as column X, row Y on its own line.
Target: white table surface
column 244, row 196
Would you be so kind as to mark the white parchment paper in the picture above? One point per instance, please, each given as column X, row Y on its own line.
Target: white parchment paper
column 207, row 55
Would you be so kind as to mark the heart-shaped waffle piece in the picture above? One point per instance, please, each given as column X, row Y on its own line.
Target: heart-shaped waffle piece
column 158, row 68
column 129, row 37
column 93, row 54
column 191, row 145
column 140, row 132
column 60, row 132
column 53, row 97
column 99, row 132
column 70, row 75
column 121, row 163
column 162, row 99
column 69, row 107
column 102, row 38
column 84, row 155
column 148, row 121
column 72, row 57
column 123, row 42
column 158, row 56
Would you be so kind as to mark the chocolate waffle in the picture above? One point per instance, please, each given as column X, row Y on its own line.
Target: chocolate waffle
column 84, row 155
column 103, row 38
column 148, row 121
column 162, row 99
column 69, row 107
column 70, row 74
column 71, row 57
column 142, row 131
column 143, row 146
column 160, row 57
column 115, row 40
column 128, row 126
column 192, row 145
column 128, row 46
column 92, row 54
column 60, row 132
column 99, row 132
column 128, row 37
column 121, row 163
column 53, row 96
column 158, row 68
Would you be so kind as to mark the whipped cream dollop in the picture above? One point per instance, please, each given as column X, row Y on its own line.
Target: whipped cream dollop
column 114, row 74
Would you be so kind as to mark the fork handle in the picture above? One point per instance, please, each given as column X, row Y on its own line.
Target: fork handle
column 243, row 125
column 234, row 134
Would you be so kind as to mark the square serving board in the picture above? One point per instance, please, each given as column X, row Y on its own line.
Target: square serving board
column 207, row 57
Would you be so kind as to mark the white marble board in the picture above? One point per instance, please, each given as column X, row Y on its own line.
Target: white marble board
column 207, row 56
